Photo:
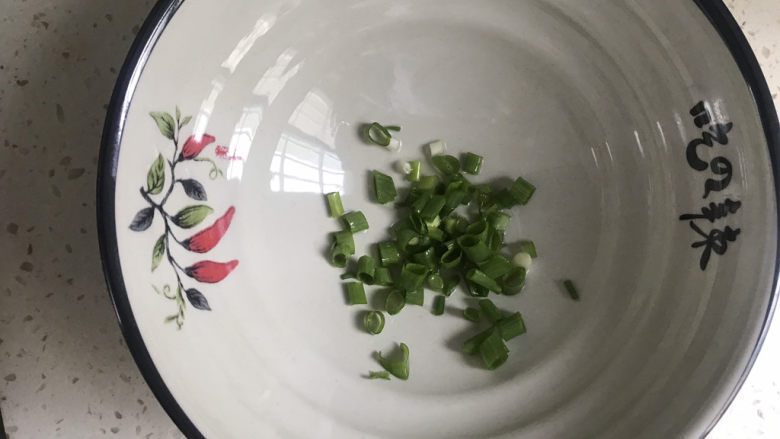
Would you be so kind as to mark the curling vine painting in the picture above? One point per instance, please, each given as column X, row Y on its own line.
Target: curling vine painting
column 181, row 219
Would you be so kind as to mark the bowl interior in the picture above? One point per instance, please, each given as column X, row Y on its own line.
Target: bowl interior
column 592, row 103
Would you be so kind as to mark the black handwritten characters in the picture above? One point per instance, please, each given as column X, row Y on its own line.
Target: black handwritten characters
column 716, row 240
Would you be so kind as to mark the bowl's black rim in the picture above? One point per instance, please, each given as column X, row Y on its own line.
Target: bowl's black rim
column 715, row 10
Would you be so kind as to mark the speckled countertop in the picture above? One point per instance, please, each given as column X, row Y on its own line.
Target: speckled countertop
column 64, row 368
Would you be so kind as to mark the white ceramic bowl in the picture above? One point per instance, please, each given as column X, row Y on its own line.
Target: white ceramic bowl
column 599, row 103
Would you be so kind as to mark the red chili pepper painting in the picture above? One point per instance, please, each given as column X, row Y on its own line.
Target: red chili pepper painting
column 156, row 194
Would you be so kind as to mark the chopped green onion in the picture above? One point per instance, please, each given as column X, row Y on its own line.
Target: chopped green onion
column 366, row 269
column 416, row 171
column 571, row 289
column 512, row 326
column 513, row 282
column 499, row 220
column 474, row 248
column 388, row 253
column 356, row 293
column 490, row 310
column 415, row 297
column 449, row 285
column 480, row 278
column 345, row 240
column 493, row 351
column 496, row 266
column 394, row 302
column 339, row 255
column 478, row 229
column 434, row 282
column 522, row 259
column 346, row 276
column 377, row 134
column 399, row 369
column 395, row 128
column 495, row 240
column 472, row 314
column 383, row 277
column 412, row 276
column 455, row 225
column 384, row 188
column 419, row 203
column 471, row 163
column 453, row 200
column 432, row 207
column 382, row 375
column 451, row 258
column 407, row 239
column 355, row 221
column 403, row 167
column 419, row 225
column 428, row 182
column 471, row 346
column 446, row 164
column 530, row 248
column 334, row 203
column 476, row 290
column 436, row 234
column 374, row 321
column 505, row 199
column 436, row 147
column 427, row 258
column 438, row 305
column 522, row 190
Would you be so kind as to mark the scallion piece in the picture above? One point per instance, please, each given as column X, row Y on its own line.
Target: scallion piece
column 474, row 248
column 438, row 305
column 426, row 257
column 522, row 259
column 419, row 203
column 472, row 314
column 345, row 240
column 428, row 182
column 505, row 199
column 450, row 284
column 478, row 229
column 434, row 282
column 366, row 269
column 419, row 225
column 383, row 277
column 436, row 147
column 384, row 188
column 381, row 375
column 395, row 128
column 480, row 278
column 476, row 290
column 374, row 321
column 490, row 310
column 436, row 234
column 530, row 248
column 416, row 171
column 407, row 239
column 334, row 203
column 451, row 258
column 415, row 297
column 471, row 346
column 499, row 220
column 347, row 276
column 522, row 190
column 339, row 256
column 495, row 240
column 471, row 163
column 355, row 221
column 571, row 289
column 513, row 282
column 356, row 294
column 432, row 207
column 455, row 225
column 412, row 276
column 511, row 326
column 493, row 351
column 446, row 164
column 394, row 302
column 496, row 266
column 388, row 253
column 377, row 134
column 399, row 369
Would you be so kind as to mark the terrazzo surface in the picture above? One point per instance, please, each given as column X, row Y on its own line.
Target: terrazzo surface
column 65, row 371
